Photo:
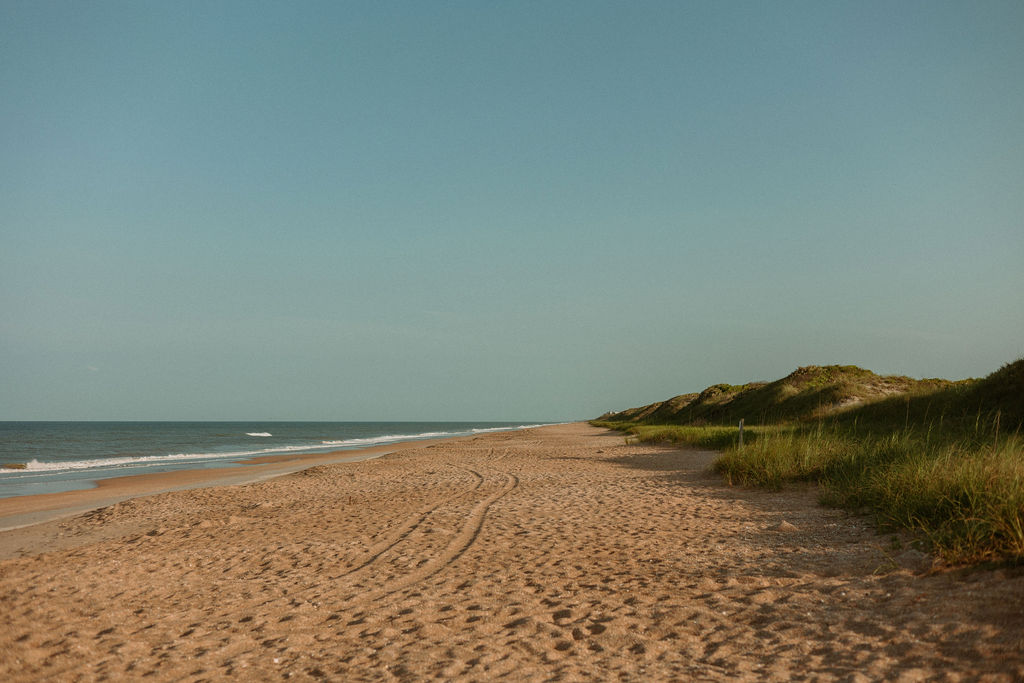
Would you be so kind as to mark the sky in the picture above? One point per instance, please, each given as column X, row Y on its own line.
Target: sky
column 498, row 211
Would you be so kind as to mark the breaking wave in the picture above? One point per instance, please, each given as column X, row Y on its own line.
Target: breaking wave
column 174, row 458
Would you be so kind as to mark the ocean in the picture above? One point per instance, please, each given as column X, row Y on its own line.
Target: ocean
column 49, row 457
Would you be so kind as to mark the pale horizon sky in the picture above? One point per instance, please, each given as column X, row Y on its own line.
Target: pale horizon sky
column 516, row 211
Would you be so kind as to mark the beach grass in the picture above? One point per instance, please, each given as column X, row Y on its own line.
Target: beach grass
column 947, row 465
column 713, row 438
column 963, row 494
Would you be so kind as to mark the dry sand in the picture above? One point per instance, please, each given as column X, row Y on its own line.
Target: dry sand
column 558, row 553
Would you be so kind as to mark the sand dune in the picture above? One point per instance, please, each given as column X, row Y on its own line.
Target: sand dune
column 558, row 553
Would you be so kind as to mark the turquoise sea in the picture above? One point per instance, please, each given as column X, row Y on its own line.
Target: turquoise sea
column 47, row 457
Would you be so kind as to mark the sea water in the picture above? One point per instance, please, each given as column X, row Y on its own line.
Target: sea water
column 48, row 457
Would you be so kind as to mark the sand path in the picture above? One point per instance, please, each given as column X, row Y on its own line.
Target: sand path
column 558, row 553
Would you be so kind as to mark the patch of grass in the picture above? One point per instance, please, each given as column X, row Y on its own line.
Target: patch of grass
column 711, row 438
column 777, row 457
column 942, row 459
column 966, row 498
column 963, row 492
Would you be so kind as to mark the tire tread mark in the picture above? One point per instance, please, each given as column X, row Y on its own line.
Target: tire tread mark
column 467, row 535
column 411, row 523
column 408, row 525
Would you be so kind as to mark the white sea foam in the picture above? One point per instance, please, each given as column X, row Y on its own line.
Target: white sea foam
column 258, row 434
column 103, row 463
column 389, row 438
column 170, row 459
column 484, row 430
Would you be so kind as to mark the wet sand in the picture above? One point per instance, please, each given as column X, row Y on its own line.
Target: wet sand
column 558, row 553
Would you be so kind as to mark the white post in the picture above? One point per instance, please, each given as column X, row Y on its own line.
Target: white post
column 741, row 434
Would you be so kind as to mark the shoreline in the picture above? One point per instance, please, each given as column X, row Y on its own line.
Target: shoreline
column 558, row 552
column 19, row 512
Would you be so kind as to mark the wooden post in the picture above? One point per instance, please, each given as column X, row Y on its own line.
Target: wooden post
column 741, row 434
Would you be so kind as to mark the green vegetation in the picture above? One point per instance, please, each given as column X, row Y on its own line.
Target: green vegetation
column 714, row 438
column 810, row 392
column 943, row 459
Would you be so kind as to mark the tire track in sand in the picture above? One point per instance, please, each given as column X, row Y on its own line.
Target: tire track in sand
column 399, row 534
column 408, row 525
column 467, row 534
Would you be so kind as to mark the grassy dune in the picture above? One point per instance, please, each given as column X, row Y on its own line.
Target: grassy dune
column 943, row 459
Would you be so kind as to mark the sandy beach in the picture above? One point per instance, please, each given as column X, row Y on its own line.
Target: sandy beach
column 557, row 553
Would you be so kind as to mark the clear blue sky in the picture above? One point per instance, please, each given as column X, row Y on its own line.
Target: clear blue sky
column 475, row 210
